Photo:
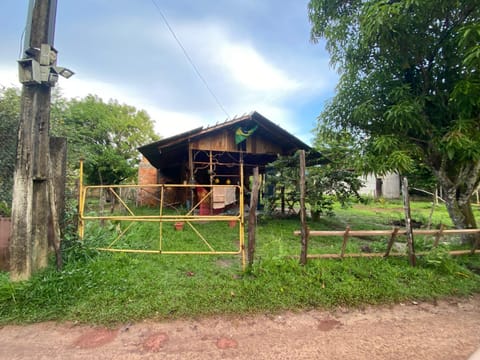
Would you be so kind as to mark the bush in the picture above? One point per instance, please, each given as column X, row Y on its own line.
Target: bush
column 5, row 210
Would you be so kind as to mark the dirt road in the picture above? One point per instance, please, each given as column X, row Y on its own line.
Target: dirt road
column 447, row 330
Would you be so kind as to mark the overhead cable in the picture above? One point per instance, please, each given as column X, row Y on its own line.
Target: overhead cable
column 187, row 56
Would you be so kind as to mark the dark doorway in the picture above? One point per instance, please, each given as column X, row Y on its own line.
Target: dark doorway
column 378, row 188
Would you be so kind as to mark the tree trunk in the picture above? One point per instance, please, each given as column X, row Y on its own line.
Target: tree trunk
column 458, row 184
column 460, row 211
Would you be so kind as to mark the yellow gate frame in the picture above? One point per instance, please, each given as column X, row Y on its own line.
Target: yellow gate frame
column 188, row 218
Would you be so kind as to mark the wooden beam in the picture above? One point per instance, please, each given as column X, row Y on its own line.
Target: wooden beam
column 376, row 255
column 345, row 240
column 252, row 216
column 408, row 223
column 438, row 235
column 190, row 163
column 354, row 233
column 391, row 241
column 303, row 211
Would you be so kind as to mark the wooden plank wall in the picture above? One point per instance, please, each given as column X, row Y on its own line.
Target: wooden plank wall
column 225, row 141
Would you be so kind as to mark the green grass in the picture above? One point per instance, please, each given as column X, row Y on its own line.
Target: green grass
column 146, row 236
column 111, row 288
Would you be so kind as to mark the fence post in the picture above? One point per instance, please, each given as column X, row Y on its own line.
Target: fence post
column 345, row 240
column 252, row 216
column 303, row 211
column 408, row 223
column 438, row 235
column 391, row 241
column 476, row 244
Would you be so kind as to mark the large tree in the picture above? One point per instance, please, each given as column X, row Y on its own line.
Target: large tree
column 409, row 88
column 106, row 135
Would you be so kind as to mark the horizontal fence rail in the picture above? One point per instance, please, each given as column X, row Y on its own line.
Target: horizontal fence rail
column 393, row 233
column 387, row 232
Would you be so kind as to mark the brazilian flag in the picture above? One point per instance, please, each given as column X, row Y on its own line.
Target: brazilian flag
column 241, row 134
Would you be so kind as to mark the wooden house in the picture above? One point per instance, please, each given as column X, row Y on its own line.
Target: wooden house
column 386, row 186
column 213, row 155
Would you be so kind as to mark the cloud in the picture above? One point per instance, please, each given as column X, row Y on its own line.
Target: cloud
column 168, row 122
column 226, row 58
column 134, row 59
column 81, row 87
column 250, row 69
column 171, row 122
column 246, row 78
column 9, row 76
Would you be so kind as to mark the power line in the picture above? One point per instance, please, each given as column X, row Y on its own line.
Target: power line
column 190, row 59
column 20, row 52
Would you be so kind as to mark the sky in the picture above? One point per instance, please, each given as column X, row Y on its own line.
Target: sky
column 255, row 55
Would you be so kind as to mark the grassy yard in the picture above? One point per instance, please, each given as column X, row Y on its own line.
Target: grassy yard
column 111, row 288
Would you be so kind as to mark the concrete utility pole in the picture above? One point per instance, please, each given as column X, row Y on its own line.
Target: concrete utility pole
column 32, row 192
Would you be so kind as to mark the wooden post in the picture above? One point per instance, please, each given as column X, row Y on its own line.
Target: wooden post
column 58, row 173
column 55, row 232
column 408, row 223
column 241, row 229
column 30, row 205
column 345, row 240
column 391, row 241
column 434, row 204
column 303, row 211
column 476, row 244
column 438, row 236
column 56, row 187
column 191, row 179
column 282, row 198
column 210, row 166
column 81, row 222
column 252, row 216
column 210, row 173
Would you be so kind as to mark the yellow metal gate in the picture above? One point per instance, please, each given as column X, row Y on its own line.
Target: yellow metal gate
column 116, row 206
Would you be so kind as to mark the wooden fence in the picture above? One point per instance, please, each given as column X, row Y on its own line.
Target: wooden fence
column 394, row 233
column 409, row 232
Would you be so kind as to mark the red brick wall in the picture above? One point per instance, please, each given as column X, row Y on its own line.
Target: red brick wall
column 147, row 175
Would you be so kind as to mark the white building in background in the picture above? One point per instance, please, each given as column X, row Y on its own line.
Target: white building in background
column 386, row 186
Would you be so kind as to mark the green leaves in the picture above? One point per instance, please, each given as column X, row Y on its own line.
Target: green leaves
column 470, row 41
column 409, row 85
column 107, row 136
column 460, row 144
column 406, row 115
column 325, row 184
column 9, row 120
column 411, row 70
